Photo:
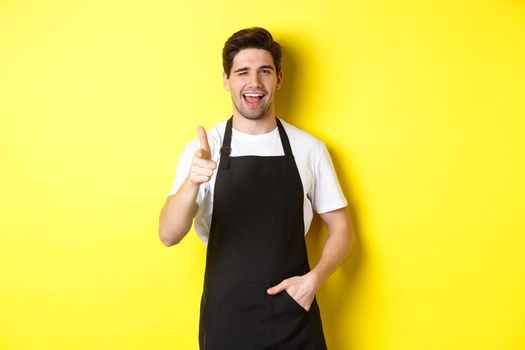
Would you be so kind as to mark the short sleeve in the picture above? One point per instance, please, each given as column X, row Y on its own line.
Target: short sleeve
column 183, row 169
column 327, row 193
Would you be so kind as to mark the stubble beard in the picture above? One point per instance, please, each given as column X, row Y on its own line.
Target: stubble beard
column 250, row 113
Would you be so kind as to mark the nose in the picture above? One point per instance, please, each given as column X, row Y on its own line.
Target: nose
column 254, row 80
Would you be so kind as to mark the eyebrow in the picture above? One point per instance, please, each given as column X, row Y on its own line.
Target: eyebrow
column 242, row 69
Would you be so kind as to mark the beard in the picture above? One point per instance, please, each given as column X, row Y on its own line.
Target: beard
column 252, row 113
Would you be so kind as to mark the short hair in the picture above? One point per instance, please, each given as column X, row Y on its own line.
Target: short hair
column 254, row 37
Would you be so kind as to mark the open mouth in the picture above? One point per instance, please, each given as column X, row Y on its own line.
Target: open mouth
column 252, row 98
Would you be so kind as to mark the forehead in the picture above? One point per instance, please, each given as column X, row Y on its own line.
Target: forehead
column 252, row 58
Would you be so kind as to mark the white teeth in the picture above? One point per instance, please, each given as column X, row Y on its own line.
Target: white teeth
column 253, row 95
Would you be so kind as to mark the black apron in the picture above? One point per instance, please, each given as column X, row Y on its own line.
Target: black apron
column 256, row 240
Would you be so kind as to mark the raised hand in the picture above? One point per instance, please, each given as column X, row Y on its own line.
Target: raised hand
column 202, row 166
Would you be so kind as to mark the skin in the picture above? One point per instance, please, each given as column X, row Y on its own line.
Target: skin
column 253, row 70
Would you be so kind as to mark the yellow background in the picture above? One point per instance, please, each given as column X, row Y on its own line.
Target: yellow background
column 421, row 104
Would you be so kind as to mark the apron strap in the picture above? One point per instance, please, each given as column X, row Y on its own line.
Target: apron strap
column 284, row 140
column 226, row 143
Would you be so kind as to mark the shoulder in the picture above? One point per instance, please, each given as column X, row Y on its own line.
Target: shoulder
column 301, row 139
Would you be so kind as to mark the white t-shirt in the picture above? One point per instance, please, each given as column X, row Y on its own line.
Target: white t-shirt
column 321, row 188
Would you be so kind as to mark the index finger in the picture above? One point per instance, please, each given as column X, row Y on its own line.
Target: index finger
column 203, row 139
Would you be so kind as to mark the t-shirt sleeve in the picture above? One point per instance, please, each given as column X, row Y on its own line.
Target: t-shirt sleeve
column 183, row 169
column 327, row 193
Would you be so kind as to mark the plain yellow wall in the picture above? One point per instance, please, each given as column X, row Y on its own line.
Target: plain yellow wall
column 421, row 104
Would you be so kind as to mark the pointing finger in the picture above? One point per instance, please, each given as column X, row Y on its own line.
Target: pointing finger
column 203, row 139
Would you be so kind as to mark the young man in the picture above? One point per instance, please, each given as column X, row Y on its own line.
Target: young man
column 252, row 185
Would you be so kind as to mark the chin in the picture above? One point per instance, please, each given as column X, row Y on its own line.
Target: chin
column 252, row 114
column 255, row 115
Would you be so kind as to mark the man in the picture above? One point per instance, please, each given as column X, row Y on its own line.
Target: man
column 251, row 185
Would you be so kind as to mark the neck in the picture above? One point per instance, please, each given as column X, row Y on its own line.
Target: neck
column 262, row 125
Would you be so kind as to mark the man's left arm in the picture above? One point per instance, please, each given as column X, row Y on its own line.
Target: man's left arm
column 340, row 242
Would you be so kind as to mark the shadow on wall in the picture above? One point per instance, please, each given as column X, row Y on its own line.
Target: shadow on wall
column 285, row 98
column 333, row 302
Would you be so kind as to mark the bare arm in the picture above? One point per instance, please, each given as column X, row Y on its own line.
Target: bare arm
column 179, row 210
column 177, row 214
column 338, row 245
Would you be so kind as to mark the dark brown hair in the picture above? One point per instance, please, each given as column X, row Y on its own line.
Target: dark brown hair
column 254, row 37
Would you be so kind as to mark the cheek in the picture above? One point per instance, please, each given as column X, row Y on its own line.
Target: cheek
column 271, row 82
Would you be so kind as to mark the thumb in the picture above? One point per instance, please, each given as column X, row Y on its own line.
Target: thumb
column 278, row 288
column 204, row 145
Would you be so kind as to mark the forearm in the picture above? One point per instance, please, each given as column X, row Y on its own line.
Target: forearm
column 177, row 214
column 337, row 247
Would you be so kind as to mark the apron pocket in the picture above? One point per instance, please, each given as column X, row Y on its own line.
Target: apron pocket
column 290, row 323
column 240, row 314
column 285, row 307
column 295, row 303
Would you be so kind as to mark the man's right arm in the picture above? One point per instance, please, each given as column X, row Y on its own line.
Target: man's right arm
column 179, row 210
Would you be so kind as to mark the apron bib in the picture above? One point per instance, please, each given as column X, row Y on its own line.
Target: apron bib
column 256, row 240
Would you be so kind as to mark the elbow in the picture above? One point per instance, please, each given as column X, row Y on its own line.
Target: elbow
column 168, row 243
column 350, row 245
column 167, row 239
column 347, row 238
column 351, row 239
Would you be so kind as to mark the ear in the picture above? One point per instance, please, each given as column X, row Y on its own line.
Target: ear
column 279, row 80
column 225, row 82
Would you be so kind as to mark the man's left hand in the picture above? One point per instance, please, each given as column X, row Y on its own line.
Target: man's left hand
column 301, row 288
